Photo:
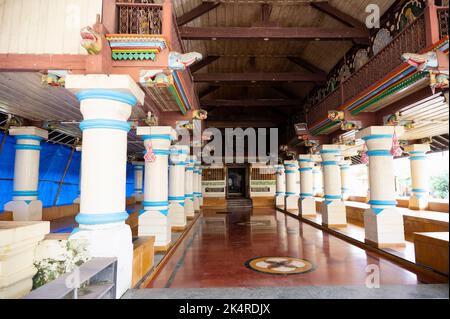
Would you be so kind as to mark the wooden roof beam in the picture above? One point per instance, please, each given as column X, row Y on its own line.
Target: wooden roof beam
column 207, row 91
column 202, row 63
column 198, row 11
column 348, row 20
column 259, row 77
column 306, row 65
column 273, row 33
column 251, row 102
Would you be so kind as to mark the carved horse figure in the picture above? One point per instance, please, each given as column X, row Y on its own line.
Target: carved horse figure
column 178, row 61
column 433, row 62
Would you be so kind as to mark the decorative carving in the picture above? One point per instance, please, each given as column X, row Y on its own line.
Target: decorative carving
column 408, row 13
column 382, row 39
column 433, row 62
column 178, row 61
column 335, row 116
column 361, row 58
column 135, row 47
column 91, row 41
column 200, row 115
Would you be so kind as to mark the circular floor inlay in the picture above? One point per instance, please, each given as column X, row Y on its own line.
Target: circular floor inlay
column 279, row 265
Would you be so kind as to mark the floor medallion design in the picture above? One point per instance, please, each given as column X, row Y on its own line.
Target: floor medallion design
column 279, row 265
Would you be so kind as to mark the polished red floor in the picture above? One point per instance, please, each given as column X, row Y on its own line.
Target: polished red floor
column 214, row 253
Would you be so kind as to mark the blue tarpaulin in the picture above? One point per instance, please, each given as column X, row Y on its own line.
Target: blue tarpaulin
column 53, row 161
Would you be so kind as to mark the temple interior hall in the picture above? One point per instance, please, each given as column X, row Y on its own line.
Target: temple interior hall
column 224, row 149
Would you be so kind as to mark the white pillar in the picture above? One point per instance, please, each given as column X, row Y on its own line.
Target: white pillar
column 383, row 222
column 419, row 176
column 307, row 204
column 292, row 186
column 154, row 220
column 189, row 188
column 318, row 180
column 77, row 200
column 200, row 182
column 333, row 208
column 24, row 205
column 345, row 179
column 280, row 186
column 177, row 167
column 105, row 103
column 368, row 184
column 196, row 186
column 138, row 168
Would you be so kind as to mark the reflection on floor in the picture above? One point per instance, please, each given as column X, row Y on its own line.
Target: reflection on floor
column 215, row 252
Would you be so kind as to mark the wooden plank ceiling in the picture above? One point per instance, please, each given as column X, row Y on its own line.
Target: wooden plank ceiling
column 239, row 69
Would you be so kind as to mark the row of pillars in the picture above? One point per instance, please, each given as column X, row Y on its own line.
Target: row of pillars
column 168, row 187
column 170, row 190
column 327, row 176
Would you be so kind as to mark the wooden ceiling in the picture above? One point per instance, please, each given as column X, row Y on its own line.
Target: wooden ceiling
column 298, row 57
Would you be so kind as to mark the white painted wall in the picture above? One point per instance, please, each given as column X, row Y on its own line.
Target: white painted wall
column 45, row 26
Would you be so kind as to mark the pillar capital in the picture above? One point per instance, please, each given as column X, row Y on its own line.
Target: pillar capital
column 179, row 154
column 417, row 149
column 330, row 154
column 28, row 133
column 307, row 160
column 379, row 138
column 102, row 86
column 345, row 163
column 159, row 136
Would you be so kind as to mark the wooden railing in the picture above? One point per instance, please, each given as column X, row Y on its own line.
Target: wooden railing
column 140, row 18
column 411, row 39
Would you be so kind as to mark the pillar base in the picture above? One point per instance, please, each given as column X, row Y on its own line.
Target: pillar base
column 307, row 206
column 385, row 228
column 333, row 213
column 161, row 249
column 25, row 210
column 138, row 197
column 196, row 204
column 279, row 201
column 18, row 243
column 291, row 202
column 418, row 203
column 176, row 215
column 189, row 208
column 154, row 223
column 176, row 229
column 113, row 240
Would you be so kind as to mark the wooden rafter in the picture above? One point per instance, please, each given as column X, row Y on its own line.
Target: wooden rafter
column 284, row 92
column 306, row 65
column 272, row 33
column 202, row 63
column 198, row 11
column 251, row 102
column 259, row 76
column 207, row 91
column 348, row 20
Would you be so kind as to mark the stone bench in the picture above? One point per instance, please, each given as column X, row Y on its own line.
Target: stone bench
column 143, row 258
column 431, row 250
column 414, row 220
